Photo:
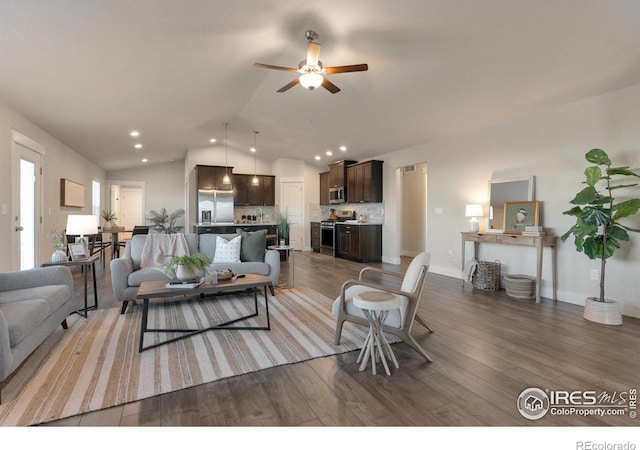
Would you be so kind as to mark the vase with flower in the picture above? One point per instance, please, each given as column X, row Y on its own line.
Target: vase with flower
column 57, row 238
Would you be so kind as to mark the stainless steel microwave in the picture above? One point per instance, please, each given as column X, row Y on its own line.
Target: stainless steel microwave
column 336, row 195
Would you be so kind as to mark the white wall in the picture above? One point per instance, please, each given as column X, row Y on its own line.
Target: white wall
column 551, row 146
column 58, row 162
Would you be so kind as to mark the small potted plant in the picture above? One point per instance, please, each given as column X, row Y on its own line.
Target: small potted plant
column 597, row 231
column 109, row 217
column 188, row 267
column 57, row 238
column 283, row 228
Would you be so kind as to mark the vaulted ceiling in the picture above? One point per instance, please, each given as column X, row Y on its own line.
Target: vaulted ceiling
column 89, row 72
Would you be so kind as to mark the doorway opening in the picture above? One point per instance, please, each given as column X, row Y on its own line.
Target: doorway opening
column 127, row 201
column 26, row 201
column 413, row 225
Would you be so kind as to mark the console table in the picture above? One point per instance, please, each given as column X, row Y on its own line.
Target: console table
column 539, row 242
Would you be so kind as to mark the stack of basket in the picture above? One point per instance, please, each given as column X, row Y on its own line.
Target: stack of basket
column 520, row 286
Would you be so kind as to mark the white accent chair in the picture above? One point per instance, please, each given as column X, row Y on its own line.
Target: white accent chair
column 398, row 322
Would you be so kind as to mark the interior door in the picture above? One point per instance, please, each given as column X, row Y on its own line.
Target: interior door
column 292, row 203
column 26, row 214
column 130, row 207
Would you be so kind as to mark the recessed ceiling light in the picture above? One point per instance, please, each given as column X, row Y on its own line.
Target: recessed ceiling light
column 343, row 148
column 138, row 146
column 145, row 160
column 317, row 158
column 134, row 133
column 212, row 140
column 253, row 149
column 329, row 153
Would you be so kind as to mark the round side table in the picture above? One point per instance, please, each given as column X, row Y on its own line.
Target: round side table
column 376, row 306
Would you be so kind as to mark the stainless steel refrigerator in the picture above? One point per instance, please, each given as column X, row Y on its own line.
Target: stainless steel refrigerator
column 215, row 206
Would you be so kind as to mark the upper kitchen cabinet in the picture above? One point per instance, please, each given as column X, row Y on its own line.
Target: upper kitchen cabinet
column 246, row 194
column 324, row 188
column 210, row 177
column 364, row 182
column 338, row 173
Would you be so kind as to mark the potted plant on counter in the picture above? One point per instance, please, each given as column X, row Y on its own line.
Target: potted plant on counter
column 597, row 231
column 188, row 267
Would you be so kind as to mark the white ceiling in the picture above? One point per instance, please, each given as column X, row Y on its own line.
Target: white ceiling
column 90, row 71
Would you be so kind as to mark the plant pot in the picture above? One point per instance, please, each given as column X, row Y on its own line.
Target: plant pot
column 58, row 256
column 183, row 274
column 608, row 312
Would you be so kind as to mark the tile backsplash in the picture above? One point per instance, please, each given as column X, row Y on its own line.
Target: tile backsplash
column 371, row 212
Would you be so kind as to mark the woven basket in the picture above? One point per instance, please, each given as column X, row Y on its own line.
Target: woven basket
column 487, row 276
column 520, row 286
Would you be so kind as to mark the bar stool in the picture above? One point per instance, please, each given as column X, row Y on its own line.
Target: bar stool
column 376, row 306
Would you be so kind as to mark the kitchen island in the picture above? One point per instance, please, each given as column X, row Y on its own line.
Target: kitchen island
column 231, row 227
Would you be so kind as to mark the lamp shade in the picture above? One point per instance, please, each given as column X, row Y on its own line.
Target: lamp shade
column 311, row 80
column 473, row 211
column 82, row 224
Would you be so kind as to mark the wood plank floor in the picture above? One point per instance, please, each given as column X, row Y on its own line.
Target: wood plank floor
column 487, row 348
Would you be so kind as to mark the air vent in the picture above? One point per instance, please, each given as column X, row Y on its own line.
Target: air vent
column 411, row 168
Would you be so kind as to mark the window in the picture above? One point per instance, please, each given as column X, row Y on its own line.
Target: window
column 95, row 198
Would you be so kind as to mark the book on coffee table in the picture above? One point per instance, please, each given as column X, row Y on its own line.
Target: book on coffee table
column 183, row 284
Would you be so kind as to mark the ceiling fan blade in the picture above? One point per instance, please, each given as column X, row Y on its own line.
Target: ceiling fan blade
column 289, row 86
column 343, row 69
column 329, row 86
column 313, row 53
column 269, row 66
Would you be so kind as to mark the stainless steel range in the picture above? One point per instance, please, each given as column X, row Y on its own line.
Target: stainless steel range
column 327, row 231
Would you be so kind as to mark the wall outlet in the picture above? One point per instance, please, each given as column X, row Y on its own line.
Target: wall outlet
column 450, row 254
column 595, row 274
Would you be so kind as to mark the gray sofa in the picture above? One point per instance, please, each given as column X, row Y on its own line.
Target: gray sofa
column 32, row 304
column 127, row 275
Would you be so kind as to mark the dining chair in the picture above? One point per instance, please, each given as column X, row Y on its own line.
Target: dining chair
column 398, row 322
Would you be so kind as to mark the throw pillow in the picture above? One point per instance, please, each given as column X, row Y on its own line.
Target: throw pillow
column 254, row 244
column 227, row 251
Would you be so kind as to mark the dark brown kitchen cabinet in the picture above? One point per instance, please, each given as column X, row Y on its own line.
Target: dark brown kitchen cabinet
column 324, row 188
column 361, row 243
column 364, row 182
column 315, row 236
column 338, row 173
column 211, row 177
column 246, row 194
column 268, row 190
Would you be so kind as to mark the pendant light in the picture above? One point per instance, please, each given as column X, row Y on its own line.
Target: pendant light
column 226, row 179
column 255, row 181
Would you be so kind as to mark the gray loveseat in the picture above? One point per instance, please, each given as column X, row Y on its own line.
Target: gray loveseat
column 127, row 275
column 32, row 304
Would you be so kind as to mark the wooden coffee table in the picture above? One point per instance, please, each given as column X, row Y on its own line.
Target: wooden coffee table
column 157, row 289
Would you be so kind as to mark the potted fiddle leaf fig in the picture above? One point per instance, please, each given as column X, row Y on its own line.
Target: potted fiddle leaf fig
column 598, row 232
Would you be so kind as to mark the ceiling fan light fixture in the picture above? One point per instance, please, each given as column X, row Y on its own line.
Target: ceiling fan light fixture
column 226, row 179
column 311, row 80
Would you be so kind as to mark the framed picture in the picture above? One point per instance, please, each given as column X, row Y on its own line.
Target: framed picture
column 518, row 215
column 78, row 251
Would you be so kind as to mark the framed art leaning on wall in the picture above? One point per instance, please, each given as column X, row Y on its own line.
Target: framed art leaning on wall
column 518, row 215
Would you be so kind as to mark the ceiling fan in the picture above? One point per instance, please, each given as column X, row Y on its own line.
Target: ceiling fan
column 312, row 72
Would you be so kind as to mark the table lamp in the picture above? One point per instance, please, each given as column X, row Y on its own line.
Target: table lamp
column 473, row 211
column 82, row 225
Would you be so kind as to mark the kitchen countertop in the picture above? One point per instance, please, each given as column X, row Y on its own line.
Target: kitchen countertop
column 227, row 224
column 355, row 222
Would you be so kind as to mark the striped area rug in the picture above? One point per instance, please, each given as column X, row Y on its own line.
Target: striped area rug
column 96, row 364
